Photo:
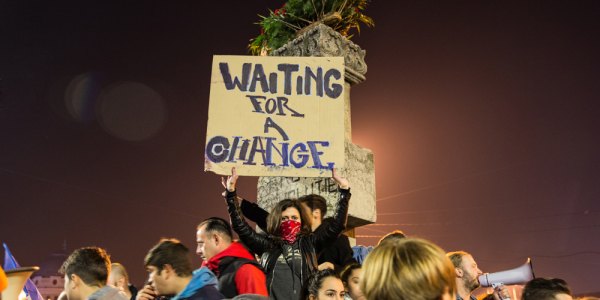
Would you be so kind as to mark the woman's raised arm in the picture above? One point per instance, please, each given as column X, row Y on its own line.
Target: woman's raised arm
column 257, row 243
column 325, row 236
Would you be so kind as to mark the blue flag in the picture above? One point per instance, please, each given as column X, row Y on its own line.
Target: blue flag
column 10, row 263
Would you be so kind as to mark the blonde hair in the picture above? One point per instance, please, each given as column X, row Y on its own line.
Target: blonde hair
column 409, row 268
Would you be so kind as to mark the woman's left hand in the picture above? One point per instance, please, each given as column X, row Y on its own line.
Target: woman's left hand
column 341, row 181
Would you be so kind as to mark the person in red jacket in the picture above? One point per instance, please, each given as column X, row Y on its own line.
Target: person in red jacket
column 235, row 267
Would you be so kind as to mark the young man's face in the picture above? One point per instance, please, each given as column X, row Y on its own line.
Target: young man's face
column 157, row 280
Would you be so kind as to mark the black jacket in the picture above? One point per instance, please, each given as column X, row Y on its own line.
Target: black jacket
column 339, row 253
column 270, row 248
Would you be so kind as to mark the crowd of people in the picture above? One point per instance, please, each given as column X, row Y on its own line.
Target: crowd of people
column 298, row 255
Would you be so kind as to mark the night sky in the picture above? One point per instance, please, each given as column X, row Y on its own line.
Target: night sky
column 483, row 117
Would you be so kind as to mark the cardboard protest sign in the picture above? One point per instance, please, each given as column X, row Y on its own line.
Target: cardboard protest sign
column 276, row 116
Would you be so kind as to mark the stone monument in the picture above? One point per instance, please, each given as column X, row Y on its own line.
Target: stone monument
column 322, row 40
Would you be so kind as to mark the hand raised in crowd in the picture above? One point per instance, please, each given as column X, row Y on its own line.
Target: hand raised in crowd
column 229, row 184
column 341, row 181
column 147, row 293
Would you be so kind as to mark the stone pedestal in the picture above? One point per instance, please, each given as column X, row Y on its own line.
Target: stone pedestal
column 359, row 165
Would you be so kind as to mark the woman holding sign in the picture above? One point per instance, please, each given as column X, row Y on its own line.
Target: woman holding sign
column 288, row 252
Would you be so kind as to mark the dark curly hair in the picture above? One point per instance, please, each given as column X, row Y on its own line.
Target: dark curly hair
column 315, row 282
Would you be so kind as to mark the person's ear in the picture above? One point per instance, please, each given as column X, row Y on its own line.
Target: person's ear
column 217, row 239
column 168, row 271
column 311, row 297
column 316, row 214
column 76, row 281
column 459, row 272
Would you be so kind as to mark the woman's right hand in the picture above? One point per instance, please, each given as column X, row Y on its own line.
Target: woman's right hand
column 229, row 184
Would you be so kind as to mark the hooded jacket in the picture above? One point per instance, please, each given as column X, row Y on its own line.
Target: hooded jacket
column 270, row 247
column 203, row 286
column 237, row 271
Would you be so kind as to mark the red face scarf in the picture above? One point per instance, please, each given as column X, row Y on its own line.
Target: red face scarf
column 290, row 230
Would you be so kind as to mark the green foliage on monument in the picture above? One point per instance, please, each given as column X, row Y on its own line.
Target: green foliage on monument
column 284, row 24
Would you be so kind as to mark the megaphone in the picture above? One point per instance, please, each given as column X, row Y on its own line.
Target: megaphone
column 16, row 281
column 518, row 275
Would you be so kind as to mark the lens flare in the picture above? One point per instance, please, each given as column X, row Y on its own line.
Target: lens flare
column 131, row 111
column 81, row 96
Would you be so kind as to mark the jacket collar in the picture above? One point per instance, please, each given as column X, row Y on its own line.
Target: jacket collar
column 236, row 249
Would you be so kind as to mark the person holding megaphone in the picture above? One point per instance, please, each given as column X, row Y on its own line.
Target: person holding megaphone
column 467, row 277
